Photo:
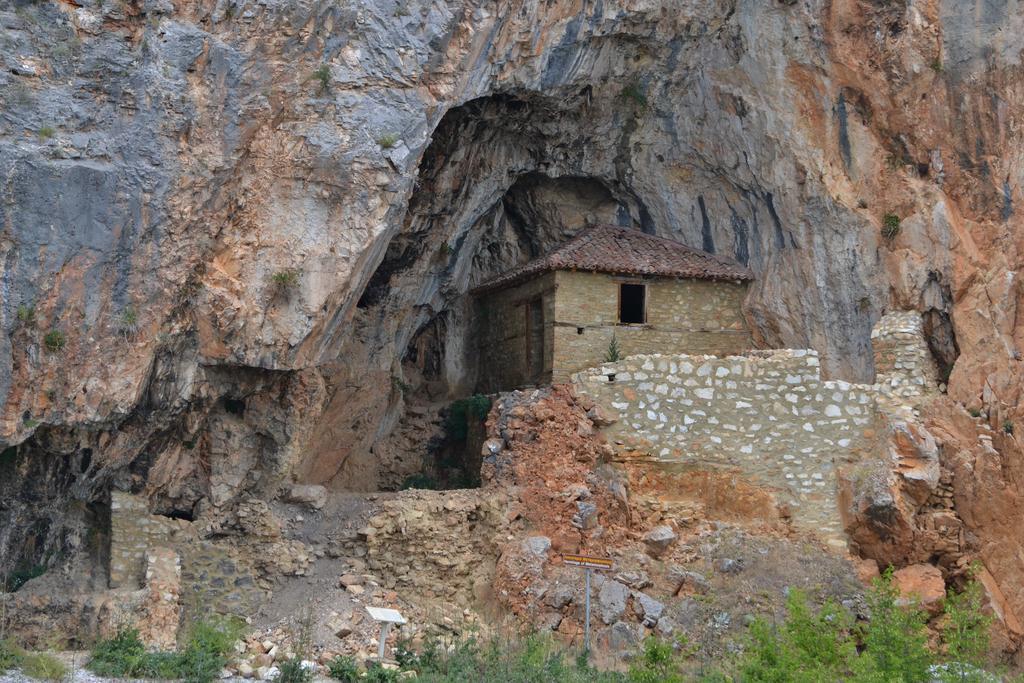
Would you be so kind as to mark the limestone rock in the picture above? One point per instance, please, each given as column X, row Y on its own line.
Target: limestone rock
column 623, row 637
column 647, row 608
column 658, row 540
column 611, row 601
column 311, row 495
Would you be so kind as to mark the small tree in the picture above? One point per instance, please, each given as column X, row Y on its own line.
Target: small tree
column 965, row 634
column 895, row 639
column 612, row 355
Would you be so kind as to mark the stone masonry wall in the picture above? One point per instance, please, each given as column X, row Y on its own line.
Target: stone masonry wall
column 442, row 545
column 766, row 414
column 904, row 367
column 133, row 531
column 692, row 316
column 501, row 334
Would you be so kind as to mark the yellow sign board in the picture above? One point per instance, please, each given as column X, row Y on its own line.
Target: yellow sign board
column 588, row 562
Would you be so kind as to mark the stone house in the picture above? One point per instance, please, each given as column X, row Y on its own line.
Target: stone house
column 556, row 315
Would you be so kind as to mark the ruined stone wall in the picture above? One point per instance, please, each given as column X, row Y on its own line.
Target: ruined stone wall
column 501, row 335
column 767, row 415
column 438, row 545
column 214, row 576
column 682, row 315
column 904, row 367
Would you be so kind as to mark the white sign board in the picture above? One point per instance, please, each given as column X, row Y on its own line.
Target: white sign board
column 390, row 616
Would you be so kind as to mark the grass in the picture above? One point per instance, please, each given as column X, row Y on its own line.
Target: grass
column 38, row 665
column 54, row 341
column 204, row 656
column 890, row 226
column 388, row 140
column 292, row 671
column 45, row 133
column 128, row 322
column 284, row 280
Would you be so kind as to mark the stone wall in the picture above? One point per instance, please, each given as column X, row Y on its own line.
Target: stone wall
column 501, row 331
column 693, row 316
column 904, row 367
column 133, row 531
column 767, row 415
column 442, row 545
column 213, row 576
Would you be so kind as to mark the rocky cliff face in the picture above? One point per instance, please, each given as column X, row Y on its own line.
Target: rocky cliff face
column 237, row 234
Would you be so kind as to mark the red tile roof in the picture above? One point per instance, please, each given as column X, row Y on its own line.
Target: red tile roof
column 624, row 251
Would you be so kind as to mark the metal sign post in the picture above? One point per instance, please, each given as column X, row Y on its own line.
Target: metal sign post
column 386, row 617
column 588, row 564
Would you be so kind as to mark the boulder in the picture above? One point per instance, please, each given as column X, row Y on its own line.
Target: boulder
column 585, row 518
column 647, row 608
column 560, row 595
column 921, row 584
column 685, row 581
column 611, row 601
column 623, row 637
column 658, row 540
column 311, row 495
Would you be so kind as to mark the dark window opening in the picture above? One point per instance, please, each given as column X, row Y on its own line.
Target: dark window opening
column 632, row 304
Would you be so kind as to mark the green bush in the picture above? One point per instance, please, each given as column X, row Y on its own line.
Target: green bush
column 27, row 315
column 375, row 673
column 205, row 654
column 54, row 341
column 9, row 655
column 46, row 132
column 128, row 321
column 19, row 577
column 344, row 669
column 460, row 412
column 635, row 94
column 323, row 75
column 42, row 666
column 965, row 634
column 285, row 279
column 1007, row 427
column 388, row 140
column 292, row 671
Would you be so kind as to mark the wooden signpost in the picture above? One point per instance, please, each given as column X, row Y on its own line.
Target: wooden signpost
column 588, row 564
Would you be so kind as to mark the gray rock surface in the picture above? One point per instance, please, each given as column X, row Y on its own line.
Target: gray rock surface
column 611, row 601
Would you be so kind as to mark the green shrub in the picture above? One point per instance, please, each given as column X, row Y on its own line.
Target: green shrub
column 323, row 75
column 27, row 315
column 460, row 412
column 612, row 354
column 344, row 669
column 10, row 655
column 659, row 662
column 46, row 132
column 974, row 412
column 965, row 633
column 19, row 577
column 1007, row 427
column 42, row 666
column 375, row 673
column 205, row 654
column 890, row 226
column 388, row 140
column 292, row 671
column 284, row 280
column 54, row 341
column 895, row 639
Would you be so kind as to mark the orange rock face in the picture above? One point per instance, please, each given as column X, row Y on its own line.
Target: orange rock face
column 921, row 584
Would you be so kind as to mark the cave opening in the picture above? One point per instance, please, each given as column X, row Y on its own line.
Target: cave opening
column 498, row 185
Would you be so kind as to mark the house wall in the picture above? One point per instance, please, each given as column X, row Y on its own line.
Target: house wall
column 501, row 330
column 683, row 316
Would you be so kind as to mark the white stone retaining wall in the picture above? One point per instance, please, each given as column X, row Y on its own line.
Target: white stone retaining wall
column 767, row 414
